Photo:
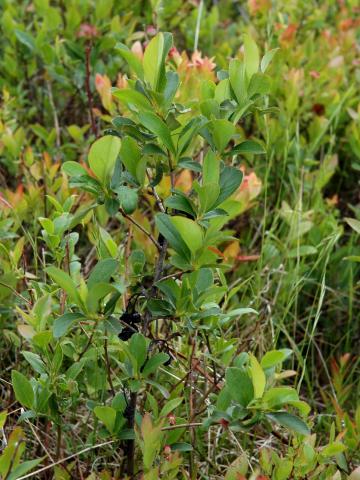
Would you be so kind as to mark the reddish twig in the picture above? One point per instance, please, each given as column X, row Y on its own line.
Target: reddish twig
column 88, row 87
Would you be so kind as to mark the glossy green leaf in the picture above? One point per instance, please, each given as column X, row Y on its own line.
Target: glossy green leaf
column 73, row 169
column 130, row 155
column 152, row 61
column 132, row 98
column 102, row 157
column 190, row 232
column 222, row 131
column 157, row 126
column 248, row 146
column 237, row 79
column 230, row 181
column 180, row 202
column 168, row 230
column 132, row 60
column 211, row 168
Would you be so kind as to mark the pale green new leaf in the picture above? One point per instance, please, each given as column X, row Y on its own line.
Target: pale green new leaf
column 258, row 376
column 102, row 157
column 152, row 60
column 107, row 415
column 252, row 57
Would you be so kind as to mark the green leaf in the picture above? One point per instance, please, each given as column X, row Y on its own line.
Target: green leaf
column 180, row 202
column 208, row 195
column 230, row 180
column 87, row 183
column 102, row 272
column 3, row 416
column 62, row 324
column 170, row 406
column 75, row 369
column 211, row 168
column 107, row 415
column 259, row 85
column 153, row 59
column 130, row 155
column 239, row 385
column 258, row 376
column 248, row 146
column 222, row 91
column 128, row 198
column 222, row 131
column 238, row 80
column 274, row 357
column 267, row 59
column 224, row 399
column 333, row 449
column 23, row 468
column 354, row 224
column 251, row 56
column 73, row 169
column 132, row 60
column 154, row 362
column 186, row 162
column 138, row 348
column 65, row 282
column 171, row 87
column 181, row 447
column 102, row 157
column 290, row 421
column 35, row 361
column 167, row 229
column 26, row 39
column 132, row 98
column 282, row 470
column 277, row 396
column 22, row 388
column 190, row 232
column 157, row 126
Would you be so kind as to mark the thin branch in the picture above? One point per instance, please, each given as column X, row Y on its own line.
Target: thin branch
column 182, row 425
column 107, row 361
column 55, row 116
column 140, row 227
column 88, row 88
column 15, row 292
column 74, row 455
column 154, row 192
